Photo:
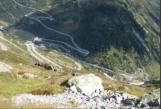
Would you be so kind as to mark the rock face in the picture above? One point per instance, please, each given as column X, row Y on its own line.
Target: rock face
column 5, row 67
column 86, row 84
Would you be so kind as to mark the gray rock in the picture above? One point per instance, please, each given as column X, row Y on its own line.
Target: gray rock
column 86, row 84
column 154, row 103
column 149, row 100
column 129, row 102
column 91, row 97
column 101, row 101
column 73, row 89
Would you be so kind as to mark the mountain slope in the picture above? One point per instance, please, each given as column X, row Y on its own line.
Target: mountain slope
column 120, row 35
column 117, row 40
column 109, row 25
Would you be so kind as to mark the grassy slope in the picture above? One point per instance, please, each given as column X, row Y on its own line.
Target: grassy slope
column 23, row 63
column 46, row 82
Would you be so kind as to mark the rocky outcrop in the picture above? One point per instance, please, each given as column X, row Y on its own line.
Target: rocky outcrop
column 98, row 99
column 5, row 67
column 150, row 100
column 79, row 96
column 86, row 84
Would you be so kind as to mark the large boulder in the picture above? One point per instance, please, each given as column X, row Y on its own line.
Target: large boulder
column 86, row 84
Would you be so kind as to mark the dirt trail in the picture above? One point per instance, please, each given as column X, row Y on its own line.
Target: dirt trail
column 32, row 50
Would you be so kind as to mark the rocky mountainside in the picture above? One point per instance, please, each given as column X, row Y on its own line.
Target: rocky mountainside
column 44, row 43
column 90, row 94
column 120, row 35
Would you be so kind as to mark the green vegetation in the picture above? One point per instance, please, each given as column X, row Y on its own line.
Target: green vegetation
column 147, row 17
column 116, row 85
column 153, row 70
column 103, row 29
column 22, row 62
column 119, row 86
column 12, row 13
column 14, row 54
column 11, row 84
column 117, row 60
column 48, row 90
